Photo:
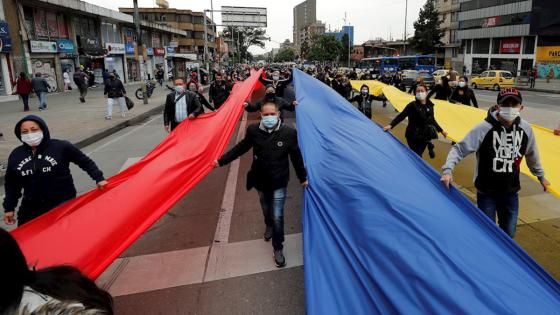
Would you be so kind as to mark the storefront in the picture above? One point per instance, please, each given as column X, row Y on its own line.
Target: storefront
column 115, row 58
column 548, row 61
column 5, row 49
column 133, row 68
column 150, row 63
column 92, row 56
column 159, row 60
column 67, row 57
column 43, row 60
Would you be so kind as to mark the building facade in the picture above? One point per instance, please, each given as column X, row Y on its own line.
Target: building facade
column 505, row 34
column 347, row 29
column 305, row 14
column 449, row 54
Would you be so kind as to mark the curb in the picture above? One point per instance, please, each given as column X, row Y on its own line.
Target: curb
column 537, row 90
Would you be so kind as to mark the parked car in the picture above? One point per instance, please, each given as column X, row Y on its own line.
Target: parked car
column 429, row 79
column 440, row 73
column 409, row 76
column 495, row 79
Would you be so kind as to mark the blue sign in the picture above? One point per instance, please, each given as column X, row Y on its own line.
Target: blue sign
column 5, row 41
column 170, row 50
column 150, row 51
column 129, row 48
column 65, row 46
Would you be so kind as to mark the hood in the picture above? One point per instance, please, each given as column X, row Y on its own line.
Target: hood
column 40, row 122
column 492, row 117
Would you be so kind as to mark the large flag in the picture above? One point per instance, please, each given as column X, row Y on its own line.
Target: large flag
column 91, row 231
column 382, row 236
column 458, row 120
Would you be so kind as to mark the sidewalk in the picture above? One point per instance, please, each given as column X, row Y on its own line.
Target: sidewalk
column 542, row 86
column 68, row 119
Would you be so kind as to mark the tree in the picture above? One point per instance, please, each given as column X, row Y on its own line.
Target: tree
column 325, row 48
column 427, row 31
column 304, row 50
column 244, row 38
column 345, row 41
column 285, row 55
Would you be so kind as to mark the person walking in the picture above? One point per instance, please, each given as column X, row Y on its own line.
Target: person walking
column 550, row 75
column 180, row 105
column 533, row 77
column 41, row 88
column 463, row 94
column 52, row 290
column 81, row 81
column 66, row 78
column 23, row 89
column 193, row 87
column 453, row 77
column 422, row 126
column 115, row 92
column 105, row 76
column 501, row 142
column 280, row 84
column 219, row 91
column 273, row 143
column 270, row 95
column 365, row 101
column 419, row 81
column 442, row 90
column 40, row 167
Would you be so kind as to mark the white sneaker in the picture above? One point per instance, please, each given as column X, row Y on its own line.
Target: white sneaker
column 108, row 117
column 123, row 115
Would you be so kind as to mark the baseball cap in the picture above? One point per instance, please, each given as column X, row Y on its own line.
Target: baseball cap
column 509, row 93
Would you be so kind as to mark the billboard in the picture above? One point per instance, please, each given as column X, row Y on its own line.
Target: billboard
column 243, row 16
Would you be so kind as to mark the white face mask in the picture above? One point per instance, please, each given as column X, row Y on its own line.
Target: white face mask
column 32, row 139
column 462, row 84
column 509, row 113
column 421, row 96
column 364, row 91
column 275, row 77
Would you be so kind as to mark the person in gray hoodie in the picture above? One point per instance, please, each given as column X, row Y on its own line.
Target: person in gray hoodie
column 41, row 88
column 500, row 142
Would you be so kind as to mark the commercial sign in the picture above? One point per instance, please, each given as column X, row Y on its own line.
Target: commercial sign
column 548, row 54
column 150, row 51
column 510, row 45
column 65, row 46
column 159, row 51
column 129, row 48
column 43, row 46
column 116, row 48
column 173, row 44
column 5, row 41
column 243, row 16
column 89, row 42
column 491, row 21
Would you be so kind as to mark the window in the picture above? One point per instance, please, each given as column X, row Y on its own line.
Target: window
column 454, row 16
column 529, row 45
column 506, row 75
column 45, row 24
column 469, row 45
column 110, row 33
column 491, row 74
column 454, row 53
column 484, row 74
column 481, row 46
column 496, row 46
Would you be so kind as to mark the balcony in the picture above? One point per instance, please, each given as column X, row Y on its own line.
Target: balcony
column 448, row 6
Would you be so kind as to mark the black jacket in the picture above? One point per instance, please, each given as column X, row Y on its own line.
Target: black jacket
column 270, row 168
column 466, row 98
column 204, row 102
column 420, row 117
column 279, row 86
column 280, row 101
column 114, row 88
column 219, row 93
column 339, row 87
column 44, row 176
column 441, row 92
column 80, row 78
column 365, row 103
column 193, row 107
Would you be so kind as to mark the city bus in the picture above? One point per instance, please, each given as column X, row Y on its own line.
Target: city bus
column 381, row 65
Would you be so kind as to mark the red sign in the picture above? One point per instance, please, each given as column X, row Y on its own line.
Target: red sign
column 491, row 21
column 159, row 51
column 510, row 45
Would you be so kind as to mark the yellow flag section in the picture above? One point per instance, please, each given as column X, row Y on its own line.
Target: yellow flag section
column 458, row 120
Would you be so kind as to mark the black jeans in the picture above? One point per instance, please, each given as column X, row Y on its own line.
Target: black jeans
column 272, row 204
column 25, row 99
column 416, row 145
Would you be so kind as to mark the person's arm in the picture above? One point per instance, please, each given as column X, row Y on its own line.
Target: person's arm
column 12, row 187
column 196, row 105
column 122, row 88
column 264, row 81
column 432, row 92
column 205, row 102
column 167, row 111
column 106, row 89
column 284, row 105
column 238, row 150
column 297, row 160
column 401, row 116
column 473, row 98
column 77, row 157
column 354, row 99
column 471, row 143
column 532, row 154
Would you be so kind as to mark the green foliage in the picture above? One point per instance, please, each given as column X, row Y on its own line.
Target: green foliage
column 285, row 55
column 427, row 31
column 325, row 48
column 245, row 38
column 345, row 47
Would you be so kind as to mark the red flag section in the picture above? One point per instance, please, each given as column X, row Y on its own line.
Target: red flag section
column 91, row 231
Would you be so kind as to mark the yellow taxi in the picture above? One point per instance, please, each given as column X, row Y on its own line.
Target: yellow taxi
column 495, row 79
column 440, row 73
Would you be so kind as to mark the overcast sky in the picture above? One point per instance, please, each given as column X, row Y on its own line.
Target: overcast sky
column 371, row 18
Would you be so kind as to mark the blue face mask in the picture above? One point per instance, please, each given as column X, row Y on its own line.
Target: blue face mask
column 270, row 121
column 180, row 89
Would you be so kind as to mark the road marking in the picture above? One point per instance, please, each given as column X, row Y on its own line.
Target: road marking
column 224, row 222
column 159, row 271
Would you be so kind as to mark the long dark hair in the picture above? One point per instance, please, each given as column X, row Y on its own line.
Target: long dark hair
column 445, row 82
column 64, row 283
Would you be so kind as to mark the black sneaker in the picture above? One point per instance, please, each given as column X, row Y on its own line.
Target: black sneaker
column 82, row 100
column 279, row 258
column 268, row 233
column 431, row 151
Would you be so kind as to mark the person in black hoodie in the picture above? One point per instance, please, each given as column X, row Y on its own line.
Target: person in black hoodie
column 219, row 91
column 115, row 92
column 442, row 90
column 279, row 84
column 41, row 168
column 270, row 95
column 365, row 101
column 463, row 94
column 422, row 126
column 272, row 143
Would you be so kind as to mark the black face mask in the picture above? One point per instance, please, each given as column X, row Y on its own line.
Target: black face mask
column 270, row 95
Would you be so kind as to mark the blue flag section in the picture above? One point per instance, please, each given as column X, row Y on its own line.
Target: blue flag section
column 383, row 236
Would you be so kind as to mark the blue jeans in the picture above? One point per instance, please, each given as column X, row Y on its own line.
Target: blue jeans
column 272, row 204
column 42, row 99
column 506, row 206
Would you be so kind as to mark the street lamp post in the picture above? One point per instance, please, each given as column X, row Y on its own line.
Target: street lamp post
column 405, row 17
column 140, row 51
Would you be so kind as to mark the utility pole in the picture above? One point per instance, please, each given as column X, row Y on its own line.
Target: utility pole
column 405, row 17
column 140, row 52
column 206, row 42
column 347, row 33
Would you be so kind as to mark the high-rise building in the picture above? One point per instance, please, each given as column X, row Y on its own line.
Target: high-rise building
column 515, row 35
column 347, row 29
column 449, row 54
column 305, row 14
